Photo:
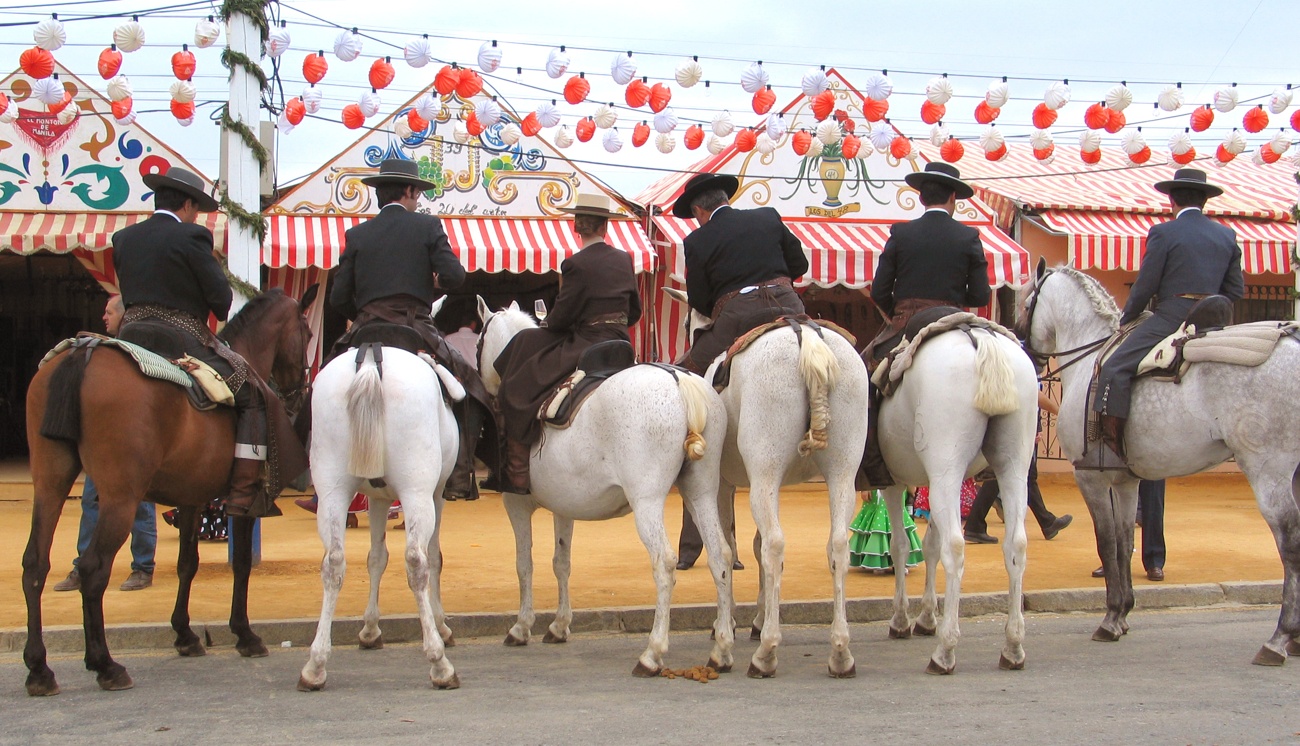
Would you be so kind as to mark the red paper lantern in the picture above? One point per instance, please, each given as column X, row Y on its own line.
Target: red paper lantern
column 62, row 104
column 952, row 151
column 294, row 110
column 182, row 109
column 660, row 95
column 445, row 81
column 1295, row 120
column 122, row 108
column 1090, row 156
column 801, row 141
column 1223, row 154
column 694, row 136
column 4, row 103
column 746, row 139
column 931, row 112
column 985, row 114
column 823, row 104
column 469, row 84
column 37, row 63
column 1043, row 154
column 472, row 125
column 576, row 89
column 1255, row 120
column 875, row 110
column 637, row 93
column 586, row 129
column 640, row 134
column 381, row 74
column 900, row 147
column 851, row 145
column 764, row 100
column 183, row 64
column 1202, row 118
column 314, row 68
column 416, row 122
column 110, row 61
column 996, row 155
column 1044, row 116
column 1096, row 116
column 352, row 116
column 1183, row 159
column 1267, row 154
column 1115, row 120
column 1142, row 156
column 529, row 125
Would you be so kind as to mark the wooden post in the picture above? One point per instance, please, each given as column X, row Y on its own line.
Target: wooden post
column 244, row 253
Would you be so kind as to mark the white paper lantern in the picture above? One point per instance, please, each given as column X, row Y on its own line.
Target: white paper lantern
column 278, row 42
column 938, row 135
column 1118, row 98
column 754, row 79
column 1089, row 140
column 129, row 36
column 187, row 121
column 417, row 52
column 347, row 45
column 1235, row 143
column 814, row 82
column 123, row 121
column 622, row 69
column 991, row 139
column 311, row 99
column 283, row 124
column 488, row 112
column 557, row 63
column 118, row 88
column 1225, row 99
column 878, row 87
column 183, row 91
column 48, row 91
column 998, row 94
column 882, row 137
column 716, row 144
column 10, row 116
column 829, row 132
column 1041, row 139
column 370, row 104
column 1133, row 142
column 547, row 114
column 207, row 32
column 688, row 73
column 765, row 144
column 666, row 121
column 665, row 142
column 938, row 91
column 722, row 124
column 489, row 57
column 67, row 114
column 612, row 141
column 402, row 128
column 511, row 134
column 428, row 107
column 460, row 133
column 815, row 148
column 1179, row 143
column 1281, row 142
column 1057, row 95
column 562, row 137
column 50, row 34
column 1279, row 101
column 605, row 116
column 776, row 127
column 1170, row 98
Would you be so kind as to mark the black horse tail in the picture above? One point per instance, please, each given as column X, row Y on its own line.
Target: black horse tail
column 62, row 419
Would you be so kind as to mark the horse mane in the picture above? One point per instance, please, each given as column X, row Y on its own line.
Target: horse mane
column 1101, row 300
column 251, row 313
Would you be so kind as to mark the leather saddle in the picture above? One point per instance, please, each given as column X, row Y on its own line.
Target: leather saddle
column 388, row 335
column 155, row 349
column 1168, row 360
column 596, row 365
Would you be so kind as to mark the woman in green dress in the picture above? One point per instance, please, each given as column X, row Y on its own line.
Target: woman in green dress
column 869, row 536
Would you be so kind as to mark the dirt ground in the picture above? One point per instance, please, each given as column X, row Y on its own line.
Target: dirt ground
column 1213, row 530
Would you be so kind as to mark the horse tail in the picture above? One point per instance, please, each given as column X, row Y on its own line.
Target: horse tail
column 62, row 420
column 820, row 368
column 366, row 419
column 995, row 391
column 695, row 396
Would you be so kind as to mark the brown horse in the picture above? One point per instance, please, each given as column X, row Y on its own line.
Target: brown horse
column 141, row 440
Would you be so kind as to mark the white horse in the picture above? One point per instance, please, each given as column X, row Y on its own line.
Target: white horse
column 636, row 436
column 796, row 408
column 391, row 435
column 965, row 401
column 1218, row 411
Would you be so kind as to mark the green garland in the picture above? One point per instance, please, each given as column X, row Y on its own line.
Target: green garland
column 230, row 58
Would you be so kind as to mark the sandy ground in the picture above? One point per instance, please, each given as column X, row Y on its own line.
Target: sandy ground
column 1213, row 530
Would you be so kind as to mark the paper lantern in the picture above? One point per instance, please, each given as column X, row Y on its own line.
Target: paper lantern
column 576, row 89
column 666, row 121
column 1235, row 143
column 1295, row 120
column 381, row 74
column 640, row 134
column 881, row 138
column 763, row 101
column 878, row 87
column 182, row 109
column 998, row 94
column 722, row 125
column 1090, row 156
column 1223, row 155
column 548, row 115
column 445, row 81
column 1170, row 98
column 666, row 143
column 1186, row 157
column 1119, row 97
column 939, row 135
column 985, row 114
column 623, row 68
column 754, row 78
column 931, row 112
column 585, row 129
column 129, row 36
column 37, row 63
column 58, row 107
column 637, row 93
column 1089, row 140
column 489, row 57
column 605, row 116
column 1096, row 117
column 694, row 137
column 183, row 63
column 746, row 139
column 1133, row 141
column 823, row 104
column 562, row 138
column 688, row 73
column 530, row 125
column 991, row 139
column 417, row 52
column 996, row 155
column 277, row 41
column 1057, row 95
column 311, row 99
column 110, row 61
column 829, row 132
column 1225, row 99
column 294, row 111
column 814, row 82
column 850, row 146
column 352, row 116
column 1255, row 120
column 776, row 127
column 800, row 142
column 126, row 120
column 1202, row 118
column 473, row 126
column 765, row 145
column 314, row 68
column 183, row 91
column 1281, row 142
column 939, row 90
column 347, row 45
column 469, row 84
column 122, row 107
column 1142, row 156
column 557, row 63
column 416, row 122
column 511, row 134
column 1280, row 100
column 4, row 104
column 660, row 95
column 952, row 151
column 402, row 128
column 1179, row 142
column 1115, row 120
column 65, row 114
column 370, row 103
column 50, row 34
column 875, row 110
column 48, row 90
column 488, row 112
column 900, row 147
column 1044, row 116
column 1267, row 155
column 1046, row 153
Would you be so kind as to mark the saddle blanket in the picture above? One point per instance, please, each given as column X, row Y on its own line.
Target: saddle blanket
column 891, row 369
column 152, row 365
column 1247, row 345
column 721, row 370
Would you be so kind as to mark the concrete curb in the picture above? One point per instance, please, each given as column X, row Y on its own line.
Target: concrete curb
column 406, row 628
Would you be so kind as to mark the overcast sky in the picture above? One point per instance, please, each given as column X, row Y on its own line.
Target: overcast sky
column 1204, row 44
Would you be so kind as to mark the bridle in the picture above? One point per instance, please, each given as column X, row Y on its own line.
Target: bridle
column 1041, row 359
column 482, row 335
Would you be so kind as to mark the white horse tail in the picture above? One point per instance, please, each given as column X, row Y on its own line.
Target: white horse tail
column 366, row 419
column 820, row 368
column 695, row 397
column 995, row 391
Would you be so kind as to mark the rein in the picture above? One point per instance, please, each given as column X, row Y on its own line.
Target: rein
column 1040, row 359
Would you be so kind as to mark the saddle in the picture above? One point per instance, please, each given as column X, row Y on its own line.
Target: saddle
column 722, row 370
column 596, row 365
column 204, row 386
column 923, row 326
column 389, row 335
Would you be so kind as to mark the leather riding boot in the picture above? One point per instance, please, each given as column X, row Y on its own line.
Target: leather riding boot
column 873, row 473
column 493, row 455
column 1108, row 454
column 514, row 467
column 461, row 485
column 245, row 486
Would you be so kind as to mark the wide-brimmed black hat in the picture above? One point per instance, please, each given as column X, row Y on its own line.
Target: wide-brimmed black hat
column 699, row 184
column 399, row 171
column 186, row 182
column 942, row 173
column 595, row 205
column 1189, row 178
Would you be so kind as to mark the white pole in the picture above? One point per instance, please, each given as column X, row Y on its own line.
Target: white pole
column 244, row 252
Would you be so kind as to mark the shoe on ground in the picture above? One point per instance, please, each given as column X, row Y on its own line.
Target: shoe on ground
column 1156, row 574
column 1100, row 572
column 1057, row 525
column 737, row 565
column 70, row 583
column 685, row 564
column 306, row 503
column 974, row 537
column 138, row 580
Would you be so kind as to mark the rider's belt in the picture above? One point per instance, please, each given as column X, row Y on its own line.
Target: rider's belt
column 774, row 282
column 1194, row 296
column 607, row 318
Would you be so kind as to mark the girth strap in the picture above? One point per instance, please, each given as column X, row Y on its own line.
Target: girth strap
column 377, row 350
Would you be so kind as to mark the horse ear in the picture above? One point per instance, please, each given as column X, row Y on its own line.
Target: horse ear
column 437, row 306
column 483, row 311
column 1042, row 267
column 309, row 297
column 676, row 294
column 514, row 305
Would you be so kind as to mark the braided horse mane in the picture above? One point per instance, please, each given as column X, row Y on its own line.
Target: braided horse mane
column 1101, row 300
column 250, row 313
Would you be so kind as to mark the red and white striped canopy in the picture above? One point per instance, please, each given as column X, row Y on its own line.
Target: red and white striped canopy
column 843, row 252
column 1117, row 240
column 514, row 245
column 64, row 232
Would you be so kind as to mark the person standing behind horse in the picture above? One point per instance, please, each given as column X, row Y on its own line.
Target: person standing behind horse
column 1187, row 260
column 928, row 262
column 392, row 268
column 598, row 301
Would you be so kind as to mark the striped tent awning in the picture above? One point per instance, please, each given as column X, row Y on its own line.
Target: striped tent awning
column 846, row 253
column 515, row 245
column 1117, row 240
column 66, row 232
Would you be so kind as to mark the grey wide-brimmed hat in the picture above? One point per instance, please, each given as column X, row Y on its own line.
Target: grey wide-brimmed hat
column 699, row 184
column 186, row 182
column 1189, row 178
column 399, row 171
column 942, row 173
column 595, row 205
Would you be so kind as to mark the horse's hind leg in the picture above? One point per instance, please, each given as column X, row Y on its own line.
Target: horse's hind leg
column 900, row 625
column 945, row 520
column 927, row 622
column 763, row 496
column 435, row 575
column 649, row 515
column 562, row 565
column 116, row 514
column 54, row 468
column 1015, row 497
column 1274, row 496
column 371, row 637
column 247, row 642
column 840, row 487
column 187, row 643
column 421, row 519
column 700, row 495
column 331, row 523
column 520, row 510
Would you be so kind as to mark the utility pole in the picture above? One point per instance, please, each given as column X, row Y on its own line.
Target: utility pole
column 243, row 173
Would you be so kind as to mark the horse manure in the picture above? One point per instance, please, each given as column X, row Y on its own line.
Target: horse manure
column 702, row 674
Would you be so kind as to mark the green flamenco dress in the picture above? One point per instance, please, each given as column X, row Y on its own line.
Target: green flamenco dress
column 869, row 542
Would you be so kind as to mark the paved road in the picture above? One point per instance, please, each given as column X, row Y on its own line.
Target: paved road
column 1179, row 677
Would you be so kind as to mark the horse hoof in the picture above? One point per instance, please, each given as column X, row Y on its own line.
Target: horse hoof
column 1005, row 664
column 115, row 680
column 449, row 641
column 642, row 671
column 755, row 633
column 900, row 634
column 920, row 630
column 192, row 649
column 375, row 644
column 1292, row 647
column 254, row 649
column 1268, row 657
column 849, row 673
column 452, row 683
column 755, row 672
column 719, row 667
column 514, row 642
column 42, row 684
column 306, row 686
column 935, row 669
column 554, row 639
column 1105, row 635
